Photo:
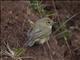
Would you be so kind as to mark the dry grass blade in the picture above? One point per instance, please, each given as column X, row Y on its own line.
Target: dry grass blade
column 66, row 22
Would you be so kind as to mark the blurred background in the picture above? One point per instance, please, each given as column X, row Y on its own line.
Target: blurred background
column 64, row 43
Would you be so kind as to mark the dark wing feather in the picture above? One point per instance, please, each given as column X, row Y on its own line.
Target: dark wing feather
column 32, row 34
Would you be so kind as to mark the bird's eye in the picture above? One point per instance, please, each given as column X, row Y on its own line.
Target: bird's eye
column 48, row 22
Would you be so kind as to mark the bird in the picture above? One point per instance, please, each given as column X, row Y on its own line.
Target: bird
column 40, row 32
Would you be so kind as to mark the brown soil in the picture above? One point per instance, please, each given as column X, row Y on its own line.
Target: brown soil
column 14, row 26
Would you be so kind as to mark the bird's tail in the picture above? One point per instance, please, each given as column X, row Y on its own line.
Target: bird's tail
column 29, row 43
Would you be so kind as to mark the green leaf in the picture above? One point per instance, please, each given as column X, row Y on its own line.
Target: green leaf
column 19, row 51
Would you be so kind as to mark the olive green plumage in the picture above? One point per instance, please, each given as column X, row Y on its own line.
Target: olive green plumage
column 40, row 32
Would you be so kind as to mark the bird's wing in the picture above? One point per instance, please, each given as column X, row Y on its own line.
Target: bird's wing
column 33, row 35
column 36, row 33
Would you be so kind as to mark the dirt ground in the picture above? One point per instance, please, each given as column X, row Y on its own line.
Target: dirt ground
column 14, row 26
